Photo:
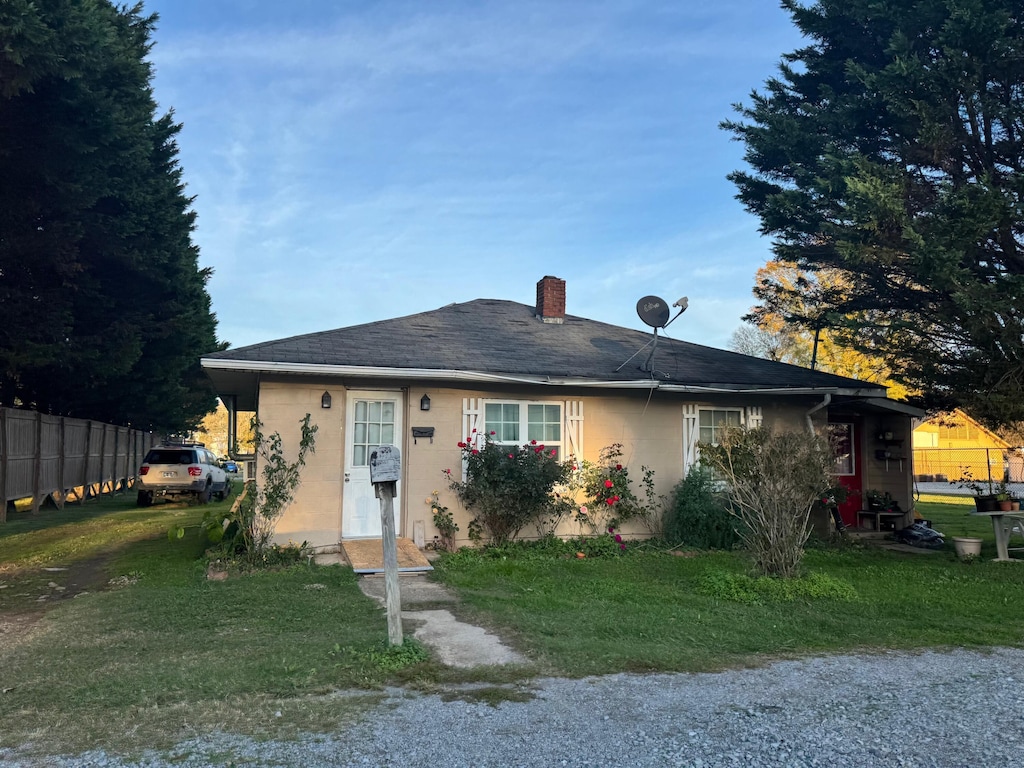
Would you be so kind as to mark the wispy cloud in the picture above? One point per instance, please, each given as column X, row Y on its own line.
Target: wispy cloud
column 464, row 149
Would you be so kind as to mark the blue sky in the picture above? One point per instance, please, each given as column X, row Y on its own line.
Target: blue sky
column 354, row 161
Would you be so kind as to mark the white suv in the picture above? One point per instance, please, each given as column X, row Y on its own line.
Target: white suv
column 184, row 470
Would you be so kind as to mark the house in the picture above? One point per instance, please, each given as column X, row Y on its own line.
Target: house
column 425, row 381
column 950, row 446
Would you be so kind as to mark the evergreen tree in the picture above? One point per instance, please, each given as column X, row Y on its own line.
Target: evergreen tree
column 890, row 148
column 103, row 307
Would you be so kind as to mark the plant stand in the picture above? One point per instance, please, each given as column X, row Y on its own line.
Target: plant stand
column 967, row 547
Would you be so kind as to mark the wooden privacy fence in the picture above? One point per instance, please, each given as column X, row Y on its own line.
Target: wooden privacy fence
column 43, row 456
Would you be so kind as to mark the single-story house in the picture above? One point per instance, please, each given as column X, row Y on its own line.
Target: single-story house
column 425, row 381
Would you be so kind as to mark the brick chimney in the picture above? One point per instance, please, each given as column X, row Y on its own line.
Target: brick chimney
column 551, row 300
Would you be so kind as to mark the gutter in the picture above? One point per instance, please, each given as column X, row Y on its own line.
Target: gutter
column 823, row 404
column 436, row 374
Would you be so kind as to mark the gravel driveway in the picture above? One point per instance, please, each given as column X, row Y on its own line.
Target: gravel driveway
column 956, row 708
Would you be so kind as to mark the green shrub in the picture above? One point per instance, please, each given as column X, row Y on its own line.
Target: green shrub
column 507, row 488
column 740, row 588
column 696, row 517
column 546, row 548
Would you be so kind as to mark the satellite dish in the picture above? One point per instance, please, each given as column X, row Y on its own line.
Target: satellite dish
column 653, row 311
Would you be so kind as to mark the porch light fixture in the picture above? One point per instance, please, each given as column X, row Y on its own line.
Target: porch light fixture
column 325, row 400
column 425, row 403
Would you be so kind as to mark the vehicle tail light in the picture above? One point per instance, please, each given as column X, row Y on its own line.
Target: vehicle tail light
column 143, row 469
column 195, row 471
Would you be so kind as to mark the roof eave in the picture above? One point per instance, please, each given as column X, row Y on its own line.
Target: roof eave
column 435, row 374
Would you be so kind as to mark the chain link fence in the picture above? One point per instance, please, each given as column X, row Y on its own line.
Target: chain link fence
column 961, row 471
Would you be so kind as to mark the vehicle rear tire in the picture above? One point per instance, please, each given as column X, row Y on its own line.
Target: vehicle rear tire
column 144, row 499
column 203, row 497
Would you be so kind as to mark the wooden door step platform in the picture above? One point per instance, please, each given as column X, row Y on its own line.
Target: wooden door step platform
column 367, row 556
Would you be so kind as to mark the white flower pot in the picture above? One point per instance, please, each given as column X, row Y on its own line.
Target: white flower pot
column 966, row 547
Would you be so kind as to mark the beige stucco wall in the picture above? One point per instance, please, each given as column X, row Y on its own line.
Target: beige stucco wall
column 649, row 426
column 315, row 514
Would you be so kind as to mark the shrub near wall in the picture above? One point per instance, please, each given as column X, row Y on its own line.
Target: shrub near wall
column 696, row 516
column 507, row 488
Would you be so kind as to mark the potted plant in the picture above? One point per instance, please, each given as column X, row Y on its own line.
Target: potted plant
column 879, row 501
column 1002, row 496
column 967, row 547
column 984, row 498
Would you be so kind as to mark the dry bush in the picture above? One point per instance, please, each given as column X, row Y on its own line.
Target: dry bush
column 771, row 480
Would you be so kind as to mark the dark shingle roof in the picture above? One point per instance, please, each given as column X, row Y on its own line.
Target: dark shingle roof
column 504, row 337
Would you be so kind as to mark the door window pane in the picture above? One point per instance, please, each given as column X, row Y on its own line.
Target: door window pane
column 841, row 438
column 373, row 426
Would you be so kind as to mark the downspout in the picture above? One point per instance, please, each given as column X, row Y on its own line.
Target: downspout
column 823, row 404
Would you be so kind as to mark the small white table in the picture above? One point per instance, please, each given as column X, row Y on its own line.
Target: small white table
column 1002, row 522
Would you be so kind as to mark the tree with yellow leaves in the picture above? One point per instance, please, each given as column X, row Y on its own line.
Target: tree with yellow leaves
column 792, row 324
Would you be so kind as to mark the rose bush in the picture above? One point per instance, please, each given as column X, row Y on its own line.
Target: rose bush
column 507, row 488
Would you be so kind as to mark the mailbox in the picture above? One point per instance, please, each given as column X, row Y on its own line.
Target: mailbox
column 385, row 465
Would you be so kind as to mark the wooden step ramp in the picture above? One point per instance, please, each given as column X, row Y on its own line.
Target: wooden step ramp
column 367, row 556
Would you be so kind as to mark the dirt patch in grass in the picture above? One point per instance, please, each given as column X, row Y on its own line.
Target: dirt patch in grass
column 27, row 593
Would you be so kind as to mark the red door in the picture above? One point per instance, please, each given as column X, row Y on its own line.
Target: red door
column 846, row 444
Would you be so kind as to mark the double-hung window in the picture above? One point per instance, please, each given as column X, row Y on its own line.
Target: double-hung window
column 519, row 422
column 714, row 421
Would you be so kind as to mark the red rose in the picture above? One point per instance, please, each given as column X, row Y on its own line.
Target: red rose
column 475, row 451
column 622, row 546
column 493, row 432
column 618, row 539
column 533, row 442
column 462, row 445
column 618, row 466
column 511, row 456
column 608, row 484
column 609, row 502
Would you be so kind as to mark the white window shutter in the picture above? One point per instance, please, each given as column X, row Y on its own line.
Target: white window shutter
column 471, row 410
column 690, row 434
column 572, row 416
column 753, row 417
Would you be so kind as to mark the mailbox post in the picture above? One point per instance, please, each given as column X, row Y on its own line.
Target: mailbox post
column 385, row 471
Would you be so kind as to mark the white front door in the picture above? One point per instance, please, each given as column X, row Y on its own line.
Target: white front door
column 371, row 419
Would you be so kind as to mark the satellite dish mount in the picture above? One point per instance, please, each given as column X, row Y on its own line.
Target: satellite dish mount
column 654, row 311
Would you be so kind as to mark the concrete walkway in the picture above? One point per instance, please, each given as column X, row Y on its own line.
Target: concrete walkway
column 455, row 643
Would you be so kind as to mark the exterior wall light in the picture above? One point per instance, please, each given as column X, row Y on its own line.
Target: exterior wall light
column 425, row 403
column 325, row 400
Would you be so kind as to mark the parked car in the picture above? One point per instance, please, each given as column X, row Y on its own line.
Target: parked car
column 181, row 470
column 229, row 466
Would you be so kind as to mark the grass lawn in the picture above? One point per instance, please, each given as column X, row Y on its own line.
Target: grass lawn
column 153, row 652
column 655, row 612
column 160, row 653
